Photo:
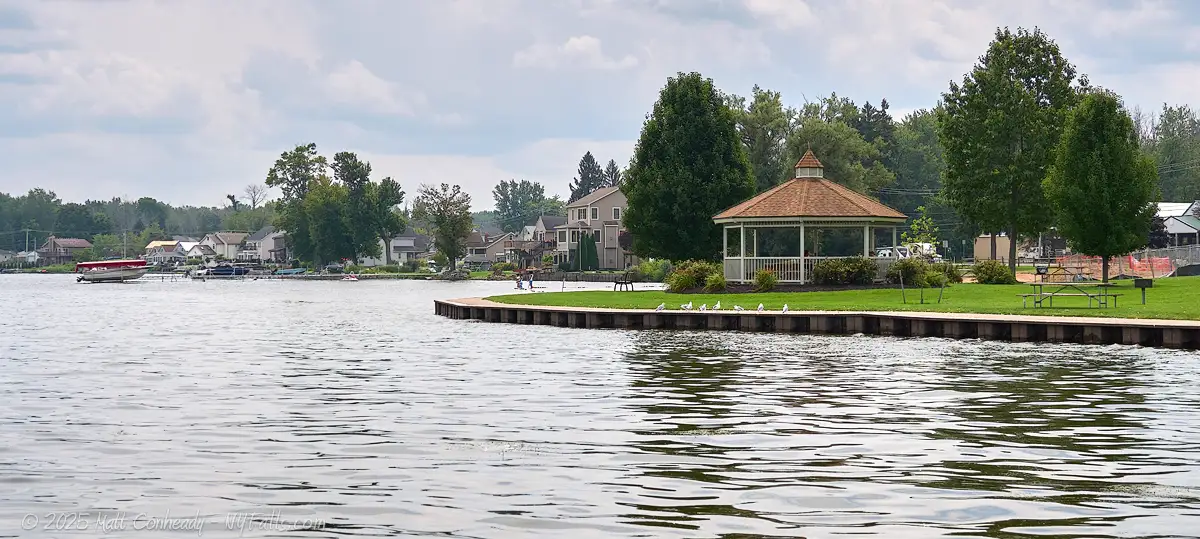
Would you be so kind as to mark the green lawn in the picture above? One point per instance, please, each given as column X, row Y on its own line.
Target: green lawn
column 1171, row 298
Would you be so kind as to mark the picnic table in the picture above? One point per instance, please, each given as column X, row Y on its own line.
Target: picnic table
column 1094, row 292
column 1061, row 273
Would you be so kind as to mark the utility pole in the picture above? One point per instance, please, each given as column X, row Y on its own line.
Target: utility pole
column 26, row 240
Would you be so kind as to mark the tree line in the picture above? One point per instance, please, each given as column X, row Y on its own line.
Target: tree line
column 980, row 161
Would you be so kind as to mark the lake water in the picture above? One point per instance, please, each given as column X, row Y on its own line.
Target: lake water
column 265, row 406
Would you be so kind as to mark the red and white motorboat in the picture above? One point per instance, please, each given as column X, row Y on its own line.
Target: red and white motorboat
column 110, row 270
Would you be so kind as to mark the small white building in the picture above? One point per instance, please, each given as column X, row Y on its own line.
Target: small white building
column 224, row 244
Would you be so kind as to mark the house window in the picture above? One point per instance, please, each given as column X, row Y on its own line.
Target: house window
column 595, row 213
column 616, row 214
column 580, row 214
column 596, row 235
column 574, row 236
column 562, row 235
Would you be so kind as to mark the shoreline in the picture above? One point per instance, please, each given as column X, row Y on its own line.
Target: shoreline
column 1164, row 333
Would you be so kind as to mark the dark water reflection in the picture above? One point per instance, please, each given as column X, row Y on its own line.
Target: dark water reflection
column 353, row 405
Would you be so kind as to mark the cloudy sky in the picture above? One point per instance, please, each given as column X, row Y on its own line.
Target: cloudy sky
column 187, row 100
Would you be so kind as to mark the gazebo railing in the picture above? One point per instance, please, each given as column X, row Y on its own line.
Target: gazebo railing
column 787, row 269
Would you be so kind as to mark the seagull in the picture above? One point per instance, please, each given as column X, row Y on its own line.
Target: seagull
column 686, row 306
column 785, row 307
column 704, row 307
column 738, row 308
column 717, row 307
column 660, row 307
column 760, row 307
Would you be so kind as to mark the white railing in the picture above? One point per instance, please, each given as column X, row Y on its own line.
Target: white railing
column 787, row 269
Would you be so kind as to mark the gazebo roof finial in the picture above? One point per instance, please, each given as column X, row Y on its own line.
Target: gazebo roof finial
column 809, row 160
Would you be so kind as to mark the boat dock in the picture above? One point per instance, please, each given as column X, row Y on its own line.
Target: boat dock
column 1182, row 334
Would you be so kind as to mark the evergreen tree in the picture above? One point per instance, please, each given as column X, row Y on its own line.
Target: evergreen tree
column 590, row 178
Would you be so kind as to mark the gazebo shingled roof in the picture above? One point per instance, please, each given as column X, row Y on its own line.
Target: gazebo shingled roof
column 809, row 196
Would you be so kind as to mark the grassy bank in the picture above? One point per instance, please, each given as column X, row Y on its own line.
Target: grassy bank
column 1171, row 298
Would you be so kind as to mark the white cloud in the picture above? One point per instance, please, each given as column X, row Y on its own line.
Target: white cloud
column 784, row 14
column 354, row 84
column 579, row 51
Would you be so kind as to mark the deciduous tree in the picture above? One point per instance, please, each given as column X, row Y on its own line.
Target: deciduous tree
column 292, row 173
column 763, row 127
column 847, row 158
column 517, row 203
column 1101, row 186
column 688, row 165
column 999, row 128
column 256, row 194
column 447, row 211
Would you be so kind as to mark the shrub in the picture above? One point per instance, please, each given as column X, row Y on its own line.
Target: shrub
column 860, row 270
column 992, row 272
column 413, row 265
column 912, row 269
column 765, row 281
column 715, row 282
column 831, row 271
column 935, row 280
column 654, row 270
column 947, row 269
column 691, row 274
column 499, row 267
column 564, row 266
column 440, row 260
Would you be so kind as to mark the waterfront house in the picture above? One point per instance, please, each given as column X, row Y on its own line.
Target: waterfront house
column 543, row 228
column 224, row 244
column 201, row 251
column 477, row 243
column 403, row 248
column 6, row 256
column 497, row 248
column 28, row 258
column 808, row 218
column 598, row 214
column 251, row 249
column 165, row 252
column 61, row 250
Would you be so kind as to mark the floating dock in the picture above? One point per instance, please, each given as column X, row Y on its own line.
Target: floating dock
column 1182, row 334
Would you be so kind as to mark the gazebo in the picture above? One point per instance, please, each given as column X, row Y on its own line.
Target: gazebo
column 794, row 225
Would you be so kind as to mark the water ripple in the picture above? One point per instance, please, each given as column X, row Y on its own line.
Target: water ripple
column 328, row 409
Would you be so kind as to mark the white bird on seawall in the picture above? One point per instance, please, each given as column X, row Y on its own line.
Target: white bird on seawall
column 738, row 308
column 704, row 307
column 760, row 307
column 785, row 307
column 660, row 307
column 686, row 306
column 717, row 307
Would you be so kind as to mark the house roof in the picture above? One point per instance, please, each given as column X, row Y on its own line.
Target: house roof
column 1189, row 220
column 498, row 239
column 476, row 238
column 594, row 197
column 261, row 234
column 810, row 196
column 160, row 243
column 70, row 243
column 551, row 221
column 204, row 249
column 576, row 224
column 230, row 238
column 1173, row 209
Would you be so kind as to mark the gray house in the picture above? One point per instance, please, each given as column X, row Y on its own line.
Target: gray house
column 598, row 214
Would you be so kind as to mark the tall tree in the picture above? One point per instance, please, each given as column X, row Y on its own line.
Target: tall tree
column 612, row 174
column 387, row 221
column 848, row 159
column 763, row 127
column 688, row 165
column 327, row 205
column 447, row 211
column 355, row 175
column 293, row 172
column 234, row 203
column 517, row 203
column 999, row 128
column 1102, row 187
column 590, row 178
column 76, row 220
column 256, row 194
column 1177, row 152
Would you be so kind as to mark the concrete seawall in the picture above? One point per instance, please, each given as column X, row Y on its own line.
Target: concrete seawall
column 1183, row 334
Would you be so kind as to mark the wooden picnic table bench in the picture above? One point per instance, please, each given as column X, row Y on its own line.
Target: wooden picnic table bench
column 1097, row 292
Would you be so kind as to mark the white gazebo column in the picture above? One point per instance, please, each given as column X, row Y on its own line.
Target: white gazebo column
column 802, row 252
column 894, row 244
column 743, row 248
column 867, row 241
